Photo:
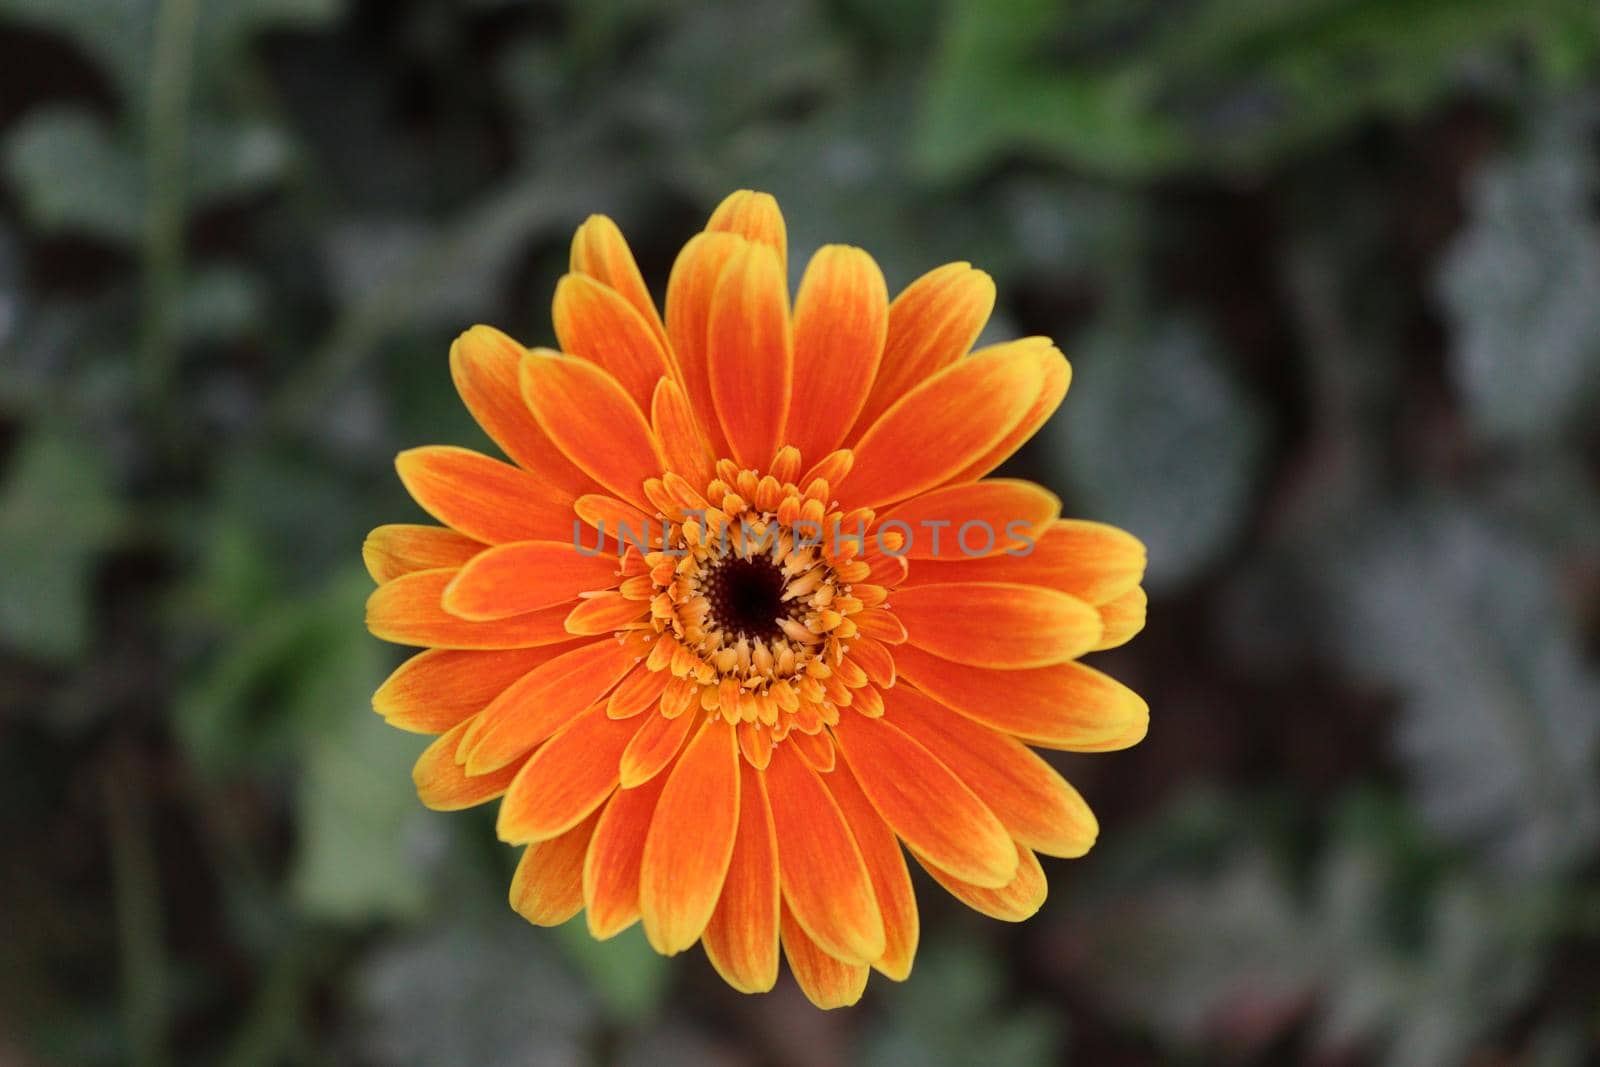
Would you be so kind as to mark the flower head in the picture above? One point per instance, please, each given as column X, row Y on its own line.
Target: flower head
column 744, row 616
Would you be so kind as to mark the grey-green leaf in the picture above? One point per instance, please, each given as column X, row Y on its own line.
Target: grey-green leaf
column 362, row 829
column 1519, row 286
column 1498, row 729
column 56, row 514
column 1161, row 440
column 73, row 175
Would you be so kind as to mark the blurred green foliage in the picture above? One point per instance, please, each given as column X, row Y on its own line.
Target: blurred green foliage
column 1329, row 273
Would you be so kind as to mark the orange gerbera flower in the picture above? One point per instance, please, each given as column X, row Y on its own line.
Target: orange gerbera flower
column 704, row 638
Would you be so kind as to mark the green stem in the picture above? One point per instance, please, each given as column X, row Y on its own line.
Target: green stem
column 171, row 69
column 137, row 894
column 271, row 1030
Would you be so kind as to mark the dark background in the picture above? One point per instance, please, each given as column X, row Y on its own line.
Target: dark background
column 1329, row 275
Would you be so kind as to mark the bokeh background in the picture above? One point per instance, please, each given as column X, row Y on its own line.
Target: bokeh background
column 1329, row 273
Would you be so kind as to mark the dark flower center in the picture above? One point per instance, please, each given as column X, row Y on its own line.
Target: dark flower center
column 746, row 597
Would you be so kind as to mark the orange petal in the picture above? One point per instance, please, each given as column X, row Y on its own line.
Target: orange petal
column 678, row 429
column 1057, row 376
column 639, row 691
column 594, row 321
column 485, row 365
column 1067, row 706
column 868, row 701
column 566, row 779
column 999, row 624
column 1014, row 902
column 434, row 690
column 617, row 520
column 882, row 626
column 611, row 869
column 826, row 981
column 817, row 749
column 1131, row 735
column 932, row 323
column 887, row 570
column 840, row 317
column 689, row 290
column 524, row 576
column 1034, row 803
column 654, row 747
column 755, row 742
column 588, row 414
column 749, row 356
column 963, row 522
column 598, row 250
column 875, row 658
column 407, row 611
column 891, row 882
column 755, row 217
column 830, row 468
column 400, row 548
column 924, row 802
column 691, row 840
column 932, row 432
column 545, row 700
column 483, row 498
column 741, row 940
column 605, row 614
column 824, row 878
column 1089, row 560
column 547, row 889
column 1122, row 618
column 443, row 784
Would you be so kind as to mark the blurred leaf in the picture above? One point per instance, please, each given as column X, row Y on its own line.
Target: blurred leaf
column 716, row 45
column 57, row 514
column 72, row 175
column 1143, row 88
column 1076, row 227
column 364, row 257
column 1472, row 970
column 1185, row 954
column 842, row 177
column 955, row 1011
column 278, row 524
column 489, row 993
column 227, row 22
column 1236, row 956
column 221, row 303
column 398, row 272
column 1499, row 729
column 121, row 33
column 422, row 272
column 629, row 977
column 989, row 91
column 359, row 816
column 1519, row 285
column 360, row 847
column 299, row 514
column 234, row 158
column 1161, row 441
column 260, row 699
